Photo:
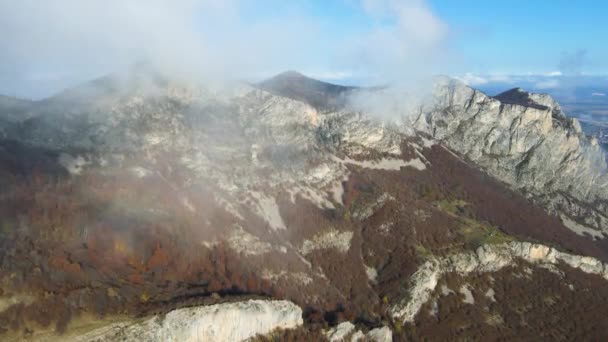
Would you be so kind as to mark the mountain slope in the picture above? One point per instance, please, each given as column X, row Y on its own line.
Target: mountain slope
column 152, row 196
column 527, row 142
column 318, row 94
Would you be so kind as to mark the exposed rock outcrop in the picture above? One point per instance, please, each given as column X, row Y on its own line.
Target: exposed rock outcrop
column 222, row 322
column 346, row 331
column 340, row 332
column 487, row 258
column 526, row 141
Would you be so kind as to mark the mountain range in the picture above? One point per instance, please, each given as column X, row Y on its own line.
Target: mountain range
column 134, row 201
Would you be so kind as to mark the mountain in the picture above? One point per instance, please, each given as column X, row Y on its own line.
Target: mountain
column 11, row 106
column 596, row 130
column 318, row 94
column 12, row 109
column 526, row 141
column 136, row 200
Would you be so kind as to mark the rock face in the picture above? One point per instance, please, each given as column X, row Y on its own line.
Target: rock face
column 526, row 141
column 488, row 258
column 222, row 322
column 340, row 332
column 346, row 331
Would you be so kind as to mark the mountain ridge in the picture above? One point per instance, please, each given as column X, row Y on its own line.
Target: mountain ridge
column 195, row 196
column 319, row 94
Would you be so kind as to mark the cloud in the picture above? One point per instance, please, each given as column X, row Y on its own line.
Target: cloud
column 330, row 75
column 207, row 37
column 472, row 79
column 504, row 78
column 64, row 41
column 407, row 41
column 598, row 94
column 571, row 63
column 553, row 74
column 406, row 45
column 547, row 84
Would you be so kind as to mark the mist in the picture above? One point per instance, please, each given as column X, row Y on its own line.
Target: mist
column 571, row 63
column 51, row 45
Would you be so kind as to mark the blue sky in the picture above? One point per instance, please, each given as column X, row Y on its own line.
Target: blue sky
column 518, row 36
column 512, row 37
column 50, row 45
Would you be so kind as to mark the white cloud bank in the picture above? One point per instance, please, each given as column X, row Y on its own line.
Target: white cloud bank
column 547, row 84
column 58, row 42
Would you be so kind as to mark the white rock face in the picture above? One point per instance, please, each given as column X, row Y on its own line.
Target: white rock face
column 221, row 322
column 341, row 332
column 487, row 258
column 371, row 273
column 384, row 334
column 490, row 294
column 524, row 140
column 330, row 239
column 372, row 207
column 391, row 164
column 246, row 243
column 268, row 209
column 468, row 295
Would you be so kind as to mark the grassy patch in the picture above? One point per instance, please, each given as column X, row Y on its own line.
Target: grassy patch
column 423, row 252
column 475, row 233
column 5, row 229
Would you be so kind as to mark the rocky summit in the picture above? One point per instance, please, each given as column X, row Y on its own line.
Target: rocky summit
column 138, row 206
column 526, row 141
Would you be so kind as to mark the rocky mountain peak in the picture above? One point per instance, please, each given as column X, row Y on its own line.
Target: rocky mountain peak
column 527, row 143
column 518, row 96
column 319, row 94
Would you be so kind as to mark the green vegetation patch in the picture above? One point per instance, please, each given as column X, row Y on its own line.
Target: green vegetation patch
column 475, row 233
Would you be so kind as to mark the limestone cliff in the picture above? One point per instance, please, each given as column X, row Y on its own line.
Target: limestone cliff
column 487, row 258
column 221, row 322
column 526, row 141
